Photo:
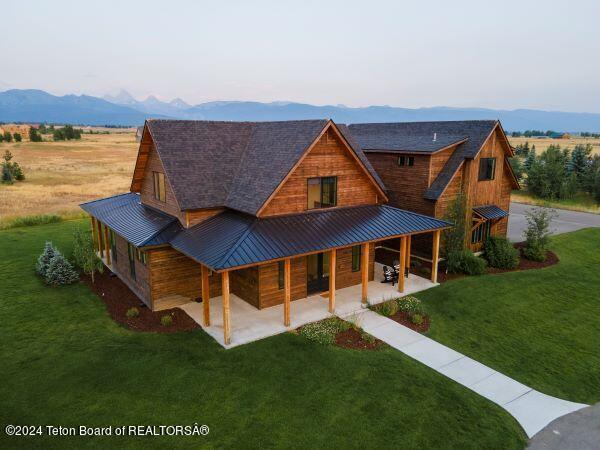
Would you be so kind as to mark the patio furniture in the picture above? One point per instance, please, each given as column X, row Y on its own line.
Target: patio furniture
column 389, row 275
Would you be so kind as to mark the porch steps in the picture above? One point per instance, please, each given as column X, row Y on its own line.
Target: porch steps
column 170, row 301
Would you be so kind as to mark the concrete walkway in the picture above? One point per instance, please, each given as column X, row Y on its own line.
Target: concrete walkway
column 532, row 409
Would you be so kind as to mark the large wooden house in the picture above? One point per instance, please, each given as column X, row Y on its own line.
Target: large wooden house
column 424, row 165
column 271, row 212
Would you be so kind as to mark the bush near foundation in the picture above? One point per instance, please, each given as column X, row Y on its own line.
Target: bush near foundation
column 500, row 253
column 465, row 262
column 324, row 331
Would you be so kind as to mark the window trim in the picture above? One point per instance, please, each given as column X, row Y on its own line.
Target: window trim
column 480, row 177
column 320, row 184
column 358, row 256
column 160, row 192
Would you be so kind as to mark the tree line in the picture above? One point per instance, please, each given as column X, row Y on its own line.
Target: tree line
column 556, row 173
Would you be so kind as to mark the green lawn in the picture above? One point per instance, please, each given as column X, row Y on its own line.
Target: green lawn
column 65, row 362
column 541, row 327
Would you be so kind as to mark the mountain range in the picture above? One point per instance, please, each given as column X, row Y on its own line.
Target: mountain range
column 32, row 105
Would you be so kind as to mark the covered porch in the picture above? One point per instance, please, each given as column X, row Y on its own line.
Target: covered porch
column 248, row 324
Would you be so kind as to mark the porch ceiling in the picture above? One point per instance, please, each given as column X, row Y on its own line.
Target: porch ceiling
column 232, row 239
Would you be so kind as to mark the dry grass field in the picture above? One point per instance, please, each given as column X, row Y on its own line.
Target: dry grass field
column 60, row 175
column 542, row 144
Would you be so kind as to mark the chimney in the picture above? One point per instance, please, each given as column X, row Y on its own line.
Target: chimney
column 434, row 137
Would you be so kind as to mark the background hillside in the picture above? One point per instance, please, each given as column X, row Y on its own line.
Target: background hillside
column 122, row 109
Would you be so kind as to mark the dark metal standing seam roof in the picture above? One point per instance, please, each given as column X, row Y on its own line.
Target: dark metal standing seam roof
column 233, row 239
column 136, row 223
column 490, row 212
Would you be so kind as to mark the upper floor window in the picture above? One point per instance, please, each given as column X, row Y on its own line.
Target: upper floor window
column 159, row 186
column 487, row 167
column 322, row 192
column 404, row 160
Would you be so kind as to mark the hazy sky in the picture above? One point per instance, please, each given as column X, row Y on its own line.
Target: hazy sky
column 509, row 54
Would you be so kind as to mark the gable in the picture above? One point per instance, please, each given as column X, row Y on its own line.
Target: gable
column 329, row 155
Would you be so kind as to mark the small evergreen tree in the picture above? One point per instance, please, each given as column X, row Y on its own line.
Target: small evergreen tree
column 529, row 159
column 580, row 158
column 18, row 137
column 7, row 136
column 7, row 177
column 1, row 137
column 44, row 259
column 84, row 254
column 60, row 271
column 537, row 233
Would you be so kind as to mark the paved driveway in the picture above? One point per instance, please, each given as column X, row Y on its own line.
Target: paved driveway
column 565, row 222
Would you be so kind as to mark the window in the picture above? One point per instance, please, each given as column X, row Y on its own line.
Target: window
column 356, row 258
column 159, row 186
column 131, row 254
column 487, row 167
column 322, row 192
column 406, row 160
column 113, row 245
column 141, row 256
column 280, row 275
column 481, row 232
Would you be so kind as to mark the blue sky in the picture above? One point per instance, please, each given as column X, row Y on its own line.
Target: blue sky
column 510, row 54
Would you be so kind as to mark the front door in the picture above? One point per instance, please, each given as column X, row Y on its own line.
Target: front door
column 317, row 273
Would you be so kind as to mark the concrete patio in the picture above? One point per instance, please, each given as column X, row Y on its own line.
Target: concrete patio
column 249, row 324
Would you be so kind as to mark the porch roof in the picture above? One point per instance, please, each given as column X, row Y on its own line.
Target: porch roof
column 489, row 212
column 139, row 224
column 232, row 239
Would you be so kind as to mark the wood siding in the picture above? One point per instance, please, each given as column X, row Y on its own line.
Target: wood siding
column 174, row 273
column 271, row 295
column 244, row 284
column 405, row 185
column 328, row 157
column 194, row 217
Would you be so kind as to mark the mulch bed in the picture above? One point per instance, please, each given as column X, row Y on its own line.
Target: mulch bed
column 404, row 319
column 118, row 298
column 353, row 339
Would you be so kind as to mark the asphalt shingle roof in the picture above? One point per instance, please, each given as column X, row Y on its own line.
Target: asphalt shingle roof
column 239, row 239
column 139, row 224
column 233, row 164
column 418, row 137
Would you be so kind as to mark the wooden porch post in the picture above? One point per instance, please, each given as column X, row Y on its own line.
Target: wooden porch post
column 287, row 292
column 402, row 261
column 100, row 250
column 226, row 321
column 364, row 261
column 408, row 249
column 205, row 295
column 107, row 245
column 435, row 256
column 332, row 264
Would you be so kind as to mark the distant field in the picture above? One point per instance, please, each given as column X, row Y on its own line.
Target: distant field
column 542, row 144
column 60, row 175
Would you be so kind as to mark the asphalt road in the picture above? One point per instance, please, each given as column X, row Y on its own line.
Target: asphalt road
column 565, row 221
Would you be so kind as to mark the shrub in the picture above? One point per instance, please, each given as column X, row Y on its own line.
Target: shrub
column 465, row 262
column 500, row 253
column 455, row 238
column 60, row 271
column 537, row 234
column 34, row 135
column 388, row 308
column 417, row 319
column 411, row 305
column 134, row 312
column 85, row 255
column 18, row 137
column 322, row 332
column 367, row 337
column 44, row 259
column 166, row 320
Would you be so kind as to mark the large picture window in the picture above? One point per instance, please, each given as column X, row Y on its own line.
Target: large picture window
column 322, row 192
column 131, row 253
column 487, row 167
column 160, row 193
column 356, row 258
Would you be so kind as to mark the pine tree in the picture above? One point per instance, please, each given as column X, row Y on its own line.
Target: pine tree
column 580, row 158
column 60, row 271
column 44, row 259
column 530, row 159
